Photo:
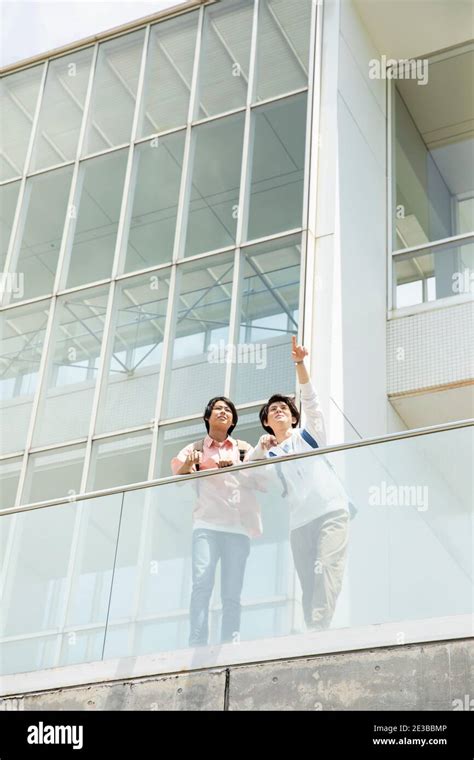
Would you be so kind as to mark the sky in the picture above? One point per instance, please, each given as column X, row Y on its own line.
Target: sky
column 29, row 27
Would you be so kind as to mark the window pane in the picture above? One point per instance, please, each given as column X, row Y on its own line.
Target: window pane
column 224, row 68
column 447, row 271
column 68, row 392
column 52, row 474
column 114, row 92
column 434, row 159
column 42, row 583
column 205, row 290
column 157, row 174
column 131, row 383
column 61, row 109
column 283, row 46
column 97, row 208
column 276, row 193
column 169, row 74
column 120, row 461
column 270, row 297
column 8, row 199
column 215, row 185
column 22, row 332
column 19, row 93
column 43, row 229
column 9, row 476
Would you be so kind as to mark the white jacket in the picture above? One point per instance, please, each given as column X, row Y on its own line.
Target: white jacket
column 310, row 484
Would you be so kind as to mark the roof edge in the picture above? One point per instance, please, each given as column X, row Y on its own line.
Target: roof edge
column 175, row 10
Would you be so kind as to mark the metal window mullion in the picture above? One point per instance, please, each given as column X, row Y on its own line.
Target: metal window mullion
column 188, row 155
column 165, row 369
column 390, row 173
column 35, row 122
column 105, row 351
column 247, row 147
column 38, row 401
column 234, row 323
column 75, row 188
column 130, row 171
column 179, row 242
column 312, row 120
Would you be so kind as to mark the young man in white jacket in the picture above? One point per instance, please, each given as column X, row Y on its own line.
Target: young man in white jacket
column 319, row 510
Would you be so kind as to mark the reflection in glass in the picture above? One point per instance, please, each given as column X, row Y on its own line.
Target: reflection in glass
column 433, row 273
column 114, row 92
column 8, row 199
column 215, row 187
column 22, row 332
column 97, row 210
column 57, row 583
column 269, row 303
column 52, row 474
column 120, row 461
column 9, row 477
column 434, row 154
column 202, row 316
column 276, row 192
column 74, row 353
column 156, row 185
column 18, row 96
column 135, row 362
column 283, row 46
column 225, row 53
column 62, row 109
column 169, row 73
column 41, row 233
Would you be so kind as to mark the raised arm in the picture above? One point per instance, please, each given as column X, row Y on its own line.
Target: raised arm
column 313, row 419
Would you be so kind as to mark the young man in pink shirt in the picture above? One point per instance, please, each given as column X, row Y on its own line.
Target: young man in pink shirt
column 225, row 516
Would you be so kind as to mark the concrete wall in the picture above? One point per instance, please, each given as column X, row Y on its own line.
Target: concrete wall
column 412, row 677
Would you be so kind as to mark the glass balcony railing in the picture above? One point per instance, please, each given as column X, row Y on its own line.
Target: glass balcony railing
column 362, row 535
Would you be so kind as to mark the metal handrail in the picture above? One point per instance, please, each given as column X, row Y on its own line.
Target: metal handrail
column 246, row 465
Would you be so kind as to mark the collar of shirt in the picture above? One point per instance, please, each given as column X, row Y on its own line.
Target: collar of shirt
column 228, row 443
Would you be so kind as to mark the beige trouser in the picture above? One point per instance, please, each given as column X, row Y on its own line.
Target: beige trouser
column 319, row 552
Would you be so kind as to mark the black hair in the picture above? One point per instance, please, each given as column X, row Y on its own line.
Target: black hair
column 286, row 400
column 210, row 407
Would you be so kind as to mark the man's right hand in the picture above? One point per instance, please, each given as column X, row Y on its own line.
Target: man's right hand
column 188, row 465
column 267, row 442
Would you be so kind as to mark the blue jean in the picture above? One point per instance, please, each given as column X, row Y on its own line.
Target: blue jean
column 208, row 547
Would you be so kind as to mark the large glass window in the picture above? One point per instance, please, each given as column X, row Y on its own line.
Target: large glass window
column 114, row 93
column 276, row 193
column 95, row 217
column 283, row 46
column 41, row 231
column 202, row 317
column 134, row 364
column 215, row 188
column 62, row 108
column 154, row 203
column 434, row 152
column 18, row 97
column 22, row 333
column 225, row 54
column 8, row 200
column 68, row 391
column 120, row 460
column 9, row 477
column 169, row 74
column 269, row 317
column 54, row 473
